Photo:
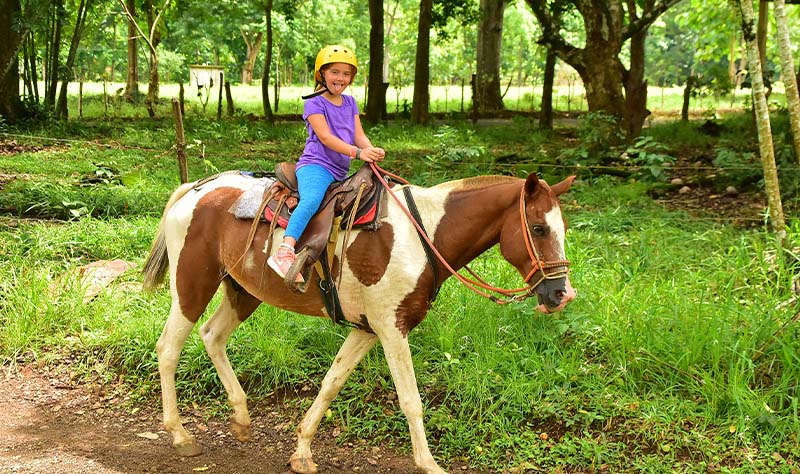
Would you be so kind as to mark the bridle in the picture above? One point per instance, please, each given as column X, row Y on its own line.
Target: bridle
column 544, row 269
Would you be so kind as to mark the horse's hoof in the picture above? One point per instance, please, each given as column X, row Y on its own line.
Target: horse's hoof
column 240, row 432
column 188, row 449
column 303, row 466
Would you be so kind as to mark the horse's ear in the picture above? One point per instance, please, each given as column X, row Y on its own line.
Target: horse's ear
column 531, row 184
column 563, row 186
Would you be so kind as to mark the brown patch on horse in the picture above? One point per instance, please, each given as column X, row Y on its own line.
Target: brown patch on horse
column 415, row 305
column 241, row 301
column 197, row 279
column 371, row 251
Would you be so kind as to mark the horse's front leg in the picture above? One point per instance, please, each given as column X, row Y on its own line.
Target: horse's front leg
column 398, row 357
column 354, row 348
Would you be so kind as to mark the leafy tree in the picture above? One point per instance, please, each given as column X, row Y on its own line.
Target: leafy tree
column 608, row 25
column 766, row 150
column 80, row 23
column 486, row 95
column 132, row 77
column 376, row 99
column 421, row 102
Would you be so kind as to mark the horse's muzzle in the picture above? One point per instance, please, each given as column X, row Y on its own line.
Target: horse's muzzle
column 554, row 295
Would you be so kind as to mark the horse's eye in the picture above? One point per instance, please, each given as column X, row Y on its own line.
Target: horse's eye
column 539, row 230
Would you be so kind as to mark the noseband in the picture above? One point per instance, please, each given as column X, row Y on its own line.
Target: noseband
column 539, row 266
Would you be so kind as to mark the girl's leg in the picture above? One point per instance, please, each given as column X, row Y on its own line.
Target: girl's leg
column 312, row 183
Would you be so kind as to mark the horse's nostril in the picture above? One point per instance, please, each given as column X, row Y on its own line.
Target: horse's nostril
column 560, row 294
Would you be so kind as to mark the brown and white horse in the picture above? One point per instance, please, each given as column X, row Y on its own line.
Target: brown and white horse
column 386, row 283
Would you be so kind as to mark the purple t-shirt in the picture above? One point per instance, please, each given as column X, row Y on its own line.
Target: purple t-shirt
column 341, row 122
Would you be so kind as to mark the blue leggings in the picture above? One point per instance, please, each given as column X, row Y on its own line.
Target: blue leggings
column 312, row 182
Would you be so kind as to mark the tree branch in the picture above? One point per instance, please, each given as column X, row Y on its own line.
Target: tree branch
column 647, row 19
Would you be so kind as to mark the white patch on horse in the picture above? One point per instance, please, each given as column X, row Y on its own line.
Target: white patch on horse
column 555, row 221
column 408, row 260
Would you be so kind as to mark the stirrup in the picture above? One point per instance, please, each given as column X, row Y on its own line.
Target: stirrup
column 296, row 271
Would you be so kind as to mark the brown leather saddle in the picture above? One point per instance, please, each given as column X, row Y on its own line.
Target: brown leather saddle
column 356, row 201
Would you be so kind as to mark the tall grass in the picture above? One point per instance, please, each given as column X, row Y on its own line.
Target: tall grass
column 673, row 358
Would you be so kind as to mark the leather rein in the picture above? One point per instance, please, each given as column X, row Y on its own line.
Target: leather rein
column 545, row 270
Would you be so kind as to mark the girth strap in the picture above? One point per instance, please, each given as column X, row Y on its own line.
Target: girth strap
column 412, row 208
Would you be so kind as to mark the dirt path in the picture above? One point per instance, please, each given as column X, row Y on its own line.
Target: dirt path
column 51, row 425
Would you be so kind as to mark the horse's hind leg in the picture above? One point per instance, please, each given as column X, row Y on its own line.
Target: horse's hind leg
column 169, row 347
column 236, row 306
column 354, row 348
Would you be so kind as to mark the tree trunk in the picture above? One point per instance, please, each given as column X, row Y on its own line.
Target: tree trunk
column 546, row 115
column 732, row 61
column 11, row 108
column 387, row 41
column 789, row 79
column 761, row 37
column 54, row 50
column 635, row 84
column 376, row 95
column 80, row 24
column 253, row 42
column 132, row 84
column 687, row 97
column 762, row 121
column 422, row 99
column 267, row 66
column 487, row 96
column 153, row 85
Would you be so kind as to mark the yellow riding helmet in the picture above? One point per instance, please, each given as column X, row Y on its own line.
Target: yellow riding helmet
column 334, row 54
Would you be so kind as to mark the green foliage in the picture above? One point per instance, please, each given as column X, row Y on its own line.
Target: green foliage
column 737, row 168
column 452, row 147
column 599, row 134
column 649, row 154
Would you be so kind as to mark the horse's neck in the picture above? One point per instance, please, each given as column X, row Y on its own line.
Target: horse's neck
column 473, row 220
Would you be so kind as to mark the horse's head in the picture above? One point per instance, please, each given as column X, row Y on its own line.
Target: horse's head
column 532, row 240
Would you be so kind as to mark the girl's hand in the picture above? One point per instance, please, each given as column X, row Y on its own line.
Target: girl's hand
column 372, row 154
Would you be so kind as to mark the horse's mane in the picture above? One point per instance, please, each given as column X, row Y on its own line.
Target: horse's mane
column 477, row 182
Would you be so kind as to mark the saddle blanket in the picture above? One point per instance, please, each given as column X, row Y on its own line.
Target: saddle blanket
column 248, row 203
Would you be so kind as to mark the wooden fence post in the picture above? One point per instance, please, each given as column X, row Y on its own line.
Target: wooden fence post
column 229, row 98
column 80, row 98
column 219, row 100
column 181, row 98
column 180, row 142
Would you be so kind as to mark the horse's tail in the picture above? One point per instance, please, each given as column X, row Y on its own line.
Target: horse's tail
column 157, row 263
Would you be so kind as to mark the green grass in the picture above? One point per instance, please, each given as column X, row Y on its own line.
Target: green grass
column 672, row 358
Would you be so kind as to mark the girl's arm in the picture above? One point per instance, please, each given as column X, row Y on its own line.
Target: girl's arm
column 367, row 153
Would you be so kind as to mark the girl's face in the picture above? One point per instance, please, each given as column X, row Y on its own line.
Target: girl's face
column 337, row 77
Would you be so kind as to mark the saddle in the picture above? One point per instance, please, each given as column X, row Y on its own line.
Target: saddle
column 352, row 203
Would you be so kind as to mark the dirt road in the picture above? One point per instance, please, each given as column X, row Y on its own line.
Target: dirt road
column 49, row 424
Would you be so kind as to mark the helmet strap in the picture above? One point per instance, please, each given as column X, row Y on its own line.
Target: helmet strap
column 320, row 89
column 317, row 92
